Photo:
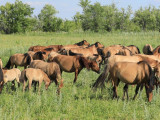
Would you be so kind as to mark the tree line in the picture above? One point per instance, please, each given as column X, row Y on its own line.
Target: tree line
column 18, row 17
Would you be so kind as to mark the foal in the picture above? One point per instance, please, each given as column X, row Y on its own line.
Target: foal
column 36, row 75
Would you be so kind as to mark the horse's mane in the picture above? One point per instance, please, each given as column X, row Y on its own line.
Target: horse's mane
column 136, row 47
column 48, row 49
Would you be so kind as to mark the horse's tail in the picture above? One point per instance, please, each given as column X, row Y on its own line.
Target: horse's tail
column 8, row 63
column 1, row 80
column 101, row 79
column 28, row 58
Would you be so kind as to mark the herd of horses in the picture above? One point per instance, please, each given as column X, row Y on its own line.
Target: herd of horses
column 122, row 63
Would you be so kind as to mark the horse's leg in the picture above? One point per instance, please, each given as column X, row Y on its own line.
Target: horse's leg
column 148, row 93
column 13, row 85
column 24, row 85
column 30, row 84
column 116, row 83
column 17, row 79
column 125, row 90
column 136, row 91
column 76, row 74
column 40, row 82
column 35, row 84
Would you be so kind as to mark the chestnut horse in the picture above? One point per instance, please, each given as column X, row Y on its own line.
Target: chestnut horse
column 19, row 60
column 133, row 74
column 36, row 75
column 75, row 64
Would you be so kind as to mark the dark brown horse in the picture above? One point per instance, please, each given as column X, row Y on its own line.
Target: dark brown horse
column 19, row 60
column 75, row 64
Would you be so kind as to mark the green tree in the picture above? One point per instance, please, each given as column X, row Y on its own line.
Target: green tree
column 145, row 18
column 47, row 16
column 15, row 17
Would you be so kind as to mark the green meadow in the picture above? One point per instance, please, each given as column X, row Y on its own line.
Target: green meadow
column 76, row 101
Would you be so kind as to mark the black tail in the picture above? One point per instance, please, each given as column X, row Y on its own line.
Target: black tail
column 8, row 63
column 101, row 79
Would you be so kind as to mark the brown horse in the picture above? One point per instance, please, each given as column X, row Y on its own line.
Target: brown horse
column 19, row 60
column 111, row 50
column 125, row 51
column 153, row 62
column 55, row 48
column 75, row 64
column 134, row 49
column 133, row 73
column 147, row 49
column 1, row 64
column 94, row 57
column 51, row 69
column 36, row 48
column 83, row 42
column 86, row 52
column 36, row 75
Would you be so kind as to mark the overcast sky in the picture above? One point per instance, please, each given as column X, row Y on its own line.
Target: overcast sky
column 68, row 8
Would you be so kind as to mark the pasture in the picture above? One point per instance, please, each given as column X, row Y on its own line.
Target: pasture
column 76, row 101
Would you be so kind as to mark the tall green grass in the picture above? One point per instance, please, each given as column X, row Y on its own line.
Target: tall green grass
column 77, row 101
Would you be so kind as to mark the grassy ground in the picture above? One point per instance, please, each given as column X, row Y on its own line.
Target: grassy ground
column 76, row 101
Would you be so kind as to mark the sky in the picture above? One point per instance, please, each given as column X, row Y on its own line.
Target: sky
column 68, row 8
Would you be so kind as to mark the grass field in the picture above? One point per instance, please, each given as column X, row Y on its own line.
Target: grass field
column 77, row 101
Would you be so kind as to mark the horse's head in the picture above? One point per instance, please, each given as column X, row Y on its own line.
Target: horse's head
column 85, row 43
column 95, row 66
column 99, row 45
